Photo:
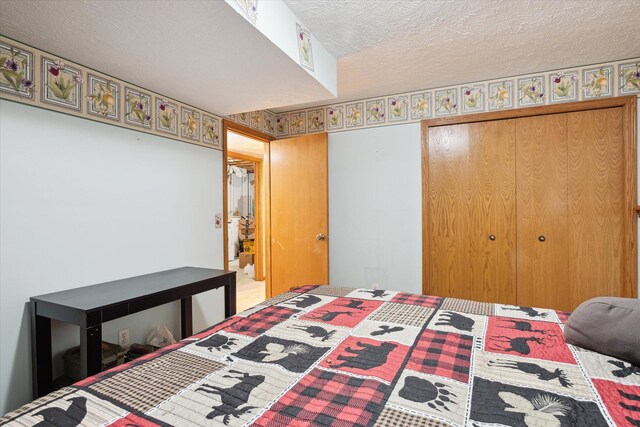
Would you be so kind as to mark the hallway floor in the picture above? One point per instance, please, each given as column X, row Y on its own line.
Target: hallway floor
column 248, row 291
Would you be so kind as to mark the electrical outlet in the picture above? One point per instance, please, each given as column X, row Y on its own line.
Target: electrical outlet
column 123, row 338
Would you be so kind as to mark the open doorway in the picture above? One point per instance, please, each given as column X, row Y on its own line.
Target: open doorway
column 246, row 217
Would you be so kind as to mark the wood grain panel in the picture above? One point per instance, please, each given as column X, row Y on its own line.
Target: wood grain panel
column 596, row 205
column 449, row 221
column 259, row 257
column 543, row 266
column 492, row 207
column 299, row 212
column 545, row 276
column 471, row 197
column 266, row 169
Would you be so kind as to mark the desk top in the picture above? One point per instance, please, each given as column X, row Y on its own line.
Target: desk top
column 102, row 295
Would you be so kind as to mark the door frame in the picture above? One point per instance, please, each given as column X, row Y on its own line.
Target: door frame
column 629, row 106
column 228, row 125
column 258, row 174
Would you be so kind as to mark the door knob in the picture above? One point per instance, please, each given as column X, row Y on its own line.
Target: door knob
column 541, row 238
column 320, row 236
column 492, row 237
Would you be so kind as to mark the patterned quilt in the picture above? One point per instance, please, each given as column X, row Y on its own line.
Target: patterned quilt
column 334, row 356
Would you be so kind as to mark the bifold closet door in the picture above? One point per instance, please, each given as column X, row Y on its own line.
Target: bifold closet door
column 596, row 205
column 542, row 193
column 472, row 211
column 571, row 208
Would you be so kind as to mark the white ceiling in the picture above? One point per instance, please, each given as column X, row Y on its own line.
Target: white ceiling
column 199, row 52
column 241, row 144
column 392, row 46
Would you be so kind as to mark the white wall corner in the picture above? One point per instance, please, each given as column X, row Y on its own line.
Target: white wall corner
column 278, row 23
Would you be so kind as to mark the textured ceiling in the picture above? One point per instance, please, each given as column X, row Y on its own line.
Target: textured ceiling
column 200, row 52
column 203, row 53
column 391, row 46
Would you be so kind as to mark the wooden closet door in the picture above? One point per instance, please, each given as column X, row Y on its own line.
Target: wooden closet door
column 596, row 205
column 542, row 195
column 471, row 197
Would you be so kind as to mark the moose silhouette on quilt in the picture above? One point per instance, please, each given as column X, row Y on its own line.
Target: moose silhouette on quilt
column 338, row 356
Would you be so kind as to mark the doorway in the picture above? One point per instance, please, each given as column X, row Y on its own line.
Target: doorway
column 291, row 246
column 246, row 217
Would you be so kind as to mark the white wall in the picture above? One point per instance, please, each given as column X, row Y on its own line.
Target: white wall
column 375, row 208
column 83, row 203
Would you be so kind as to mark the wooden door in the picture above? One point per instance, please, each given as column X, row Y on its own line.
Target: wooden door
column 596, row 206
column 542, row 194
column 575, row 198
column 299, row 212
column 471, row 211
column 571, row 208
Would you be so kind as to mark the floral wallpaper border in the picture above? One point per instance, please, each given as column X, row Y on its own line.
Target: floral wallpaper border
column 617, row 78
column 263, row 121
column 34, row 77
column 37, row 78
column 249, row 9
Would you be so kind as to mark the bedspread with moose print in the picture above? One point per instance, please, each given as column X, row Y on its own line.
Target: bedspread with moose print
column 334, row 356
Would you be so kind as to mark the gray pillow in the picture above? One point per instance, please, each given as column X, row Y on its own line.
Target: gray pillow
column 607, row 325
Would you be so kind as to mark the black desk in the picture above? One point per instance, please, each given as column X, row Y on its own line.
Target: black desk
column 90, row 306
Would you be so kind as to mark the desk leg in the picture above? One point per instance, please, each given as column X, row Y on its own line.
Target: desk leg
column 186, row 318
column 230, row 297
column 90, row 351
column 41, row 357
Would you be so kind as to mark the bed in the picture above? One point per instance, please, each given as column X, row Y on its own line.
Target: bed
column 336, row 356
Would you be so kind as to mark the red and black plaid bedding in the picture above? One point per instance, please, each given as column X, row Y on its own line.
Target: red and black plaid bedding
column 333, row 356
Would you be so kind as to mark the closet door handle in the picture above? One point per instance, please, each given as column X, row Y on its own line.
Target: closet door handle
column 542, row 238
column 492, row 237
column 320, row 236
